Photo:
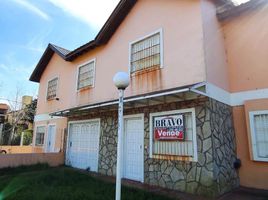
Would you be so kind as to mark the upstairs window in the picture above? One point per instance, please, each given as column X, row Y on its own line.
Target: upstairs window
column 39, row 136
column 52, row 88
column 146, row 53
column 86, row 75
column 259, row 134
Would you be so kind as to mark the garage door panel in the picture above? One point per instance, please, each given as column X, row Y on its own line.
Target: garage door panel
column 83, row 153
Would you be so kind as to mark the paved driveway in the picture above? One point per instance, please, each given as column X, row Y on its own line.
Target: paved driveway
column 246, row 194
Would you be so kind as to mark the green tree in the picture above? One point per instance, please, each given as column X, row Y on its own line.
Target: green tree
column 30, row 111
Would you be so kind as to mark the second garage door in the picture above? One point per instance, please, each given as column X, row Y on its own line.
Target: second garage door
column 83, row 145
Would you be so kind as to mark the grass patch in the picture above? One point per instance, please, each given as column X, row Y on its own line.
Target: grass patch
column 63, row 183
column 22, row 169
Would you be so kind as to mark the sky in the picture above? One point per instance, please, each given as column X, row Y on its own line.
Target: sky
column 26, row 28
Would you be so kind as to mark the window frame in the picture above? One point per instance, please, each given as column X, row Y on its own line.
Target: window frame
column 45, row 128
column 94, row 75
column 253, row 135
column 160, row 31
column 56, row 77
column 193, row 158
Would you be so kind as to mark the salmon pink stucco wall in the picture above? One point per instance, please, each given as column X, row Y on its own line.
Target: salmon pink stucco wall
column 16, row 160
column 252, row 173
column 61, row 125
column 214, row 49
column 246, row 41
column 181, row 24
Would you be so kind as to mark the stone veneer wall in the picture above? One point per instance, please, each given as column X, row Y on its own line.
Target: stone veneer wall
column 224, row 147
column 212, row 175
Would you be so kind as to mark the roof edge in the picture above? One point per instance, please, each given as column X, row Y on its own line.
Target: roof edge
column 113, row 22
column 230, row 13
column 40, row 67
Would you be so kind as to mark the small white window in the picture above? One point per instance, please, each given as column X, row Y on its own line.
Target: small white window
column 259, row 134
column 52, row 88
column 86, row 75
column 173, row 134
column 39, row 135
column 146, row 53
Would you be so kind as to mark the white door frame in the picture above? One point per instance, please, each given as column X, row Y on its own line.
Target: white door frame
column 68, row 135
column 49, row 125
column 141, row 115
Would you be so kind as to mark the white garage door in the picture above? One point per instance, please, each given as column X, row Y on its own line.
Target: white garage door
column 83, row 145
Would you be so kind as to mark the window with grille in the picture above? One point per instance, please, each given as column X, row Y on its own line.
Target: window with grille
column 146, row 53
column 52, row 89
column 40, row 134
column 259, row 134
column 86, row 75
column 175, row 141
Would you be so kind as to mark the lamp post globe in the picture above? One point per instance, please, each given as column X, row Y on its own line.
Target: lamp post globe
column 121, row 80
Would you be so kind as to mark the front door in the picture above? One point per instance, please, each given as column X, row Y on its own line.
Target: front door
column 133, row 148
column 51, row 134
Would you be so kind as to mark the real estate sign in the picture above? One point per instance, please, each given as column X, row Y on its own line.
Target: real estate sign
column 169, row 127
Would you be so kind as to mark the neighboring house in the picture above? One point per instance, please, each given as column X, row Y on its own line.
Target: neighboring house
column 16, row 116
column 3, row 111
column 197, row 100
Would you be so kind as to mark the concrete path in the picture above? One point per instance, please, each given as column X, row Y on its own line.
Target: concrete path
column 246, row 194
column 238, row 194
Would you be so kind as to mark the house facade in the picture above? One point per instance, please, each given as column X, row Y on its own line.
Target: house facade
column 195, row 106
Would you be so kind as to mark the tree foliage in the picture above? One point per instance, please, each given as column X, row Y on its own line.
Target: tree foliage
column 30, row 111
column 20, row 120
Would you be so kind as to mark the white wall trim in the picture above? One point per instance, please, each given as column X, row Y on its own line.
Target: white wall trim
column 236, row 98
column 217, row 93
column 239, row 98
column 45, row 117
column 253, row 135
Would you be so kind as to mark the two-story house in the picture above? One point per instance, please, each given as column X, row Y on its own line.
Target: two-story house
column 194, row 107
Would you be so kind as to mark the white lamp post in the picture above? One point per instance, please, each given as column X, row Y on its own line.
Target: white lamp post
column 121, row 81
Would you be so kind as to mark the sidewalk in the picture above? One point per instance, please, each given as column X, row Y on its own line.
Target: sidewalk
column 240, row 193
column 243, row 193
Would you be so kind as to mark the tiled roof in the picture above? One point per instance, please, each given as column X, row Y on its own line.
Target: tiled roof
column 230, row 12
column 40, row 67
column 61, row 50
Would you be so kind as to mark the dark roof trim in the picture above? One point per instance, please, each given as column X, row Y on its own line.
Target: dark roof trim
column 40, row 67
column 238, row 10
column 106, row 32
column 81, row 50
column 108, row 29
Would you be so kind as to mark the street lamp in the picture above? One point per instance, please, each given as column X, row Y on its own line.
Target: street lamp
column 121, row 81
